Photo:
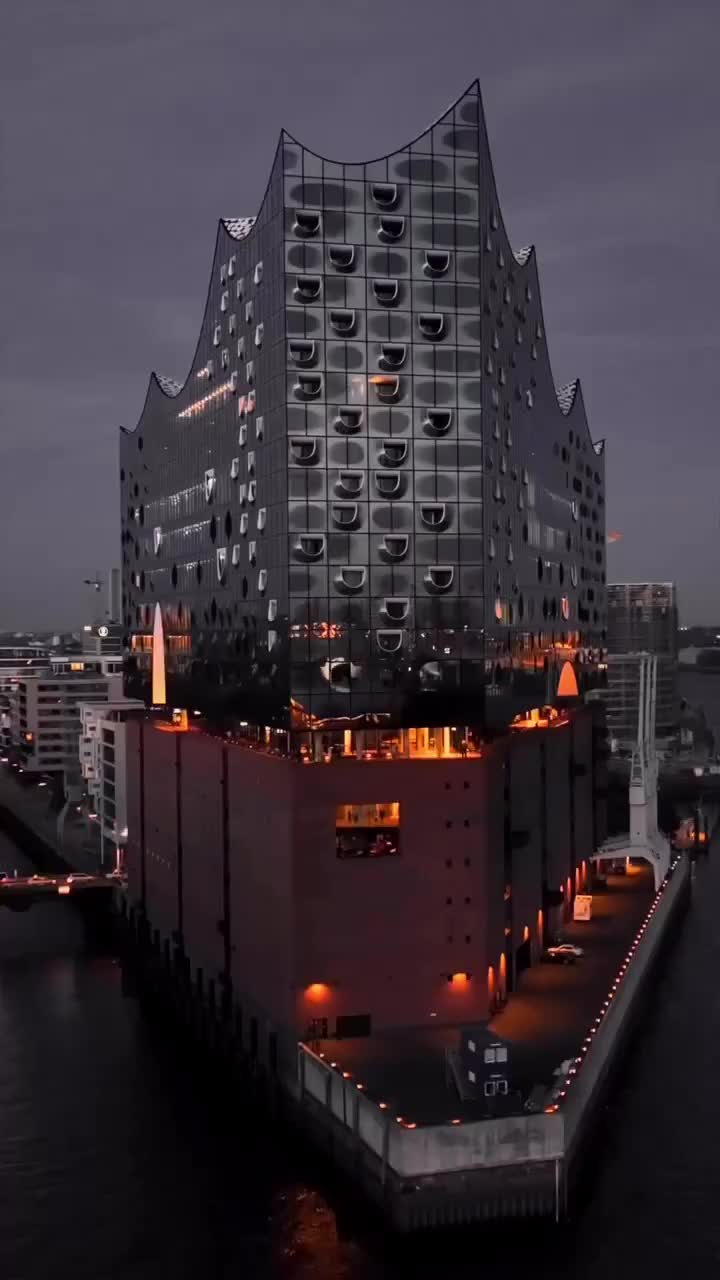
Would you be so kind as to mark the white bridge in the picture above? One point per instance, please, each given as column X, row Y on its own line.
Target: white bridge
column 644, row 840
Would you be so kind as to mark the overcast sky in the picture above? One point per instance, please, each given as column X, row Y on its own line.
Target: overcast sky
column 131, row 126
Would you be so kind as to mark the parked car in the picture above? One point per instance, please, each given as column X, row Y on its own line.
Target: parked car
column 563, row 953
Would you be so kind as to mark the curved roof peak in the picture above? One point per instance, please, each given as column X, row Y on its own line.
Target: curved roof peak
column 238, row 228
column 472, row 90
column 168, row 386
column 566, row 395
column 522, row 256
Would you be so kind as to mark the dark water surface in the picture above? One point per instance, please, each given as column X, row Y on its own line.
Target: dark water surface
column 117, row 1164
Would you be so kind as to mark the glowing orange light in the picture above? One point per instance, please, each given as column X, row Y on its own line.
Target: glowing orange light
column 540, row 923
column 567, row 684
column 382, row 1106
column 569, row 887
column 317, row 992
column 459, row 980
column 614, row 536
column 526, row 933
column 456, row 1121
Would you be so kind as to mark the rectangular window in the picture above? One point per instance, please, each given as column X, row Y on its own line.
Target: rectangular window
column 367, row 830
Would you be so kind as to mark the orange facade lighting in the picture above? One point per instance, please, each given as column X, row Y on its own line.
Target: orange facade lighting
column 526, row 934
column 567, row 684
column 317, row 992
column 459, row 980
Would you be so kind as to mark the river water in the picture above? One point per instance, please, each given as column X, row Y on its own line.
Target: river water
column 116, row 1163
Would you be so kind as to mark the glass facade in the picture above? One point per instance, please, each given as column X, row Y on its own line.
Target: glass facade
column 368, row 503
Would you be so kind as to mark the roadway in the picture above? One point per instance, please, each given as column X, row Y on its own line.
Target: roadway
column 16, row 891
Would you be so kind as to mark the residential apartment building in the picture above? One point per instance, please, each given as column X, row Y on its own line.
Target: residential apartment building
column 44, row 710
column 102, row 749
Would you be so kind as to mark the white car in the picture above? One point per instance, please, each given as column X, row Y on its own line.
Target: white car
column 564, row 953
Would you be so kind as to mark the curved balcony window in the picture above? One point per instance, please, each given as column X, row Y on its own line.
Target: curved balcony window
column 394, row 452
column 388, row 483
column 436, row 263
column 308, row 386
column 433, row 515
column 307, row 288
column 234, row 378
column 396, row 608
column 310, row 546
column 307, row 222
column 392, row 355
column 209, row 484
column 242, row 435
column 304, row 450
column 217, row 335
column 342, row 256
column 302, row 351
column 351, row 482
column 341, row 320
column 261, row 519
column 220, row 563
column 346, row 515
column 395, row 546
column 389, row 641
column 244, row 523
column 236, row 555
column 387, row 386
column 252, row 490
column 258, row 273
column 431, row 325
column 251, row 401
column 234, row 468
column 437, row 422
column 272, row 610
column 252, row 552
column 384, row 194
column 351, row 578
column 157, row 540
column 259, row 427
column 262, row 580
column 439, row 577
column 231, row 266
column 224, row 301
column 391, row 228
column 348, row 420
column 386, row 292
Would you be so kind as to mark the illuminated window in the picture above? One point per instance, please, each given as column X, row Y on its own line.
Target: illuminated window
column 367, row 830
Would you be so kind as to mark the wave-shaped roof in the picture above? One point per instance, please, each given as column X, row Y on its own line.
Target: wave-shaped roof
column 170, row 386
column 238, row 228
column 566, row 395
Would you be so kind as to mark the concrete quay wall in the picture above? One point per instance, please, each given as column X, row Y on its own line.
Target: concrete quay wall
column 436, row 1175
column 610, row 1037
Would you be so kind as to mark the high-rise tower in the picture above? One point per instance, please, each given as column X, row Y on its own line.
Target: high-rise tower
column 367, row 503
